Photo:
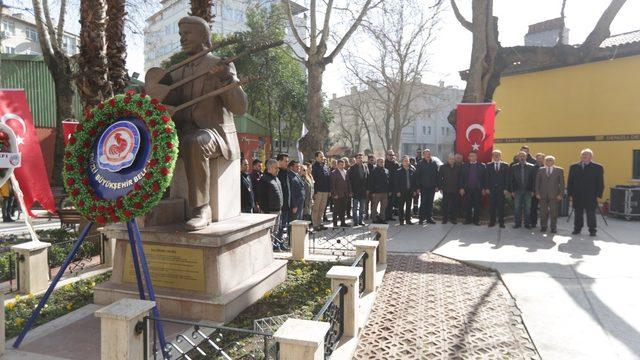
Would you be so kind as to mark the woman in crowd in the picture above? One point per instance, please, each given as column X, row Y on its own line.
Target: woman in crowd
column 305, row 173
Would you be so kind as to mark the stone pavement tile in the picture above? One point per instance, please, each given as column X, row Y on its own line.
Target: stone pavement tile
column 430, row 307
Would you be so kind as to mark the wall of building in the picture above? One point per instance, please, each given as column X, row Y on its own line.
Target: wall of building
column 564, row 110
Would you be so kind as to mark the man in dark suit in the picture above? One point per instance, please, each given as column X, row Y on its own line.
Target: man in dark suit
column 340, row 192
column 283, row 176
column 534, row 200
column 405, row 188
column 256, row 174
column 297, row 189
column 392, row 165
column 427, row 181
column 379, row 190
column 521, row 185
column 449, row 175
column 496, row 185
column 471, row 185
column 270, row 199
column 358, row 176
column 247, row 201
column 585, row 187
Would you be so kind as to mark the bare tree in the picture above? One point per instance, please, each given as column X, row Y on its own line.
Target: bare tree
column 401, row 32
column 489, row 59
column 203, row 9
column 50, row 37
column 91, row 79
column 350, row 130
column 318, row 56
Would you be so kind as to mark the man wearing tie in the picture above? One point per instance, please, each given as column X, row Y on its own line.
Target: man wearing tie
column 549, row 190
column 585, row 187
column 521, row 186
column 471, row 185
column 496, row 184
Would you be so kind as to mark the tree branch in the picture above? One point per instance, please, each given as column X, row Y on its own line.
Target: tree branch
column 296, row 35
column 464, row 22
column 49, row 23
column 61, row 19
column 601, row 31
column 365, row 8
column 325, row 26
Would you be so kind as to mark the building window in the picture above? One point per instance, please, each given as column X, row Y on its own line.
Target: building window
column 442, row 130
column 424, row 130
column 447, row 131
column 9, row 28
column 636, row 164
column 429, row 130
column 32, row 34
column 9, row 50
column 69, row 45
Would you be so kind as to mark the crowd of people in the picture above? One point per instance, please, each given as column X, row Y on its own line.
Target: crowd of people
column 376, row 190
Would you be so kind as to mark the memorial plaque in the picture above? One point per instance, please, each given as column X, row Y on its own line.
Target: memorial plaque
column 170, row 266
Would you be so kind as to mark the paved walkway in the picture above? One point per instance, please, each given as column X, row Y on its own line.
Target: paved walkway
column 578, row 295
column 431, row 307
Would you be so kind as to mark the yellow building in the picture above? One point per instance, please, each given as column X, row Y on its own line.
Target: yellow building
column 562, row 110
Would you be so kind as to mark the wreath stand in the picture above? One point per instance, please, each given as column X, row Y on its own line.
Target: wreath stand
column 139, row 259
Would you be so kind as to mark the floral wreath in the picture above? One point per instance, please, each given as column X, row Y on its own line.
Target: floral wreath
column 5, row 146
column 147, row 191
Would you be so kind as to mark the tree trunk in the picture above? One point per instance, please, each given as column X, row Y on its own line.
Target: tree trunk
column 116, row 45
column 91, row 80
column 63, row 85
column 203, row 9
column 314, row 140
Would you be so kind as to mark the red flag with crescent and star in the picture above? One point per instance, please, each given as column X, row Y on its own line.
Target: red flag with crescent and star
column 475, row 129
column 32, row 174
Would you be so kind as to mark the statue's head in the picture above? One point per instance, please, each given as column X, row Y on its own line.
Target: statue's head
column 195, row 34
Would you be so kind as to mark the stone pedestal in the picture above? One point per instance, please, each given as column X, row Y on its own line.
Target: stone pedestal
column 33, row 269
column 119, row 338
column 212, row 274
column 301, row 339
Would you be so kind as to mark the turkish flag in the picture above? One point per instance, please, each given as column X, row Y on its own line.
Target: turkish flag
column 32, row 175
column 475, row 129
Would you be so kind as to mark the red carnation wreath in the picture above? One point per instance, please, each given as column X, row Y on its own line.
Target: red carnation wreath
column 147, row 191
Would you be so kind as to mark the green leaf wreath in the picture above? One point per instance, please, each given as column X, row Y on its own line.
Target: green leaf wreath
column 159, row 168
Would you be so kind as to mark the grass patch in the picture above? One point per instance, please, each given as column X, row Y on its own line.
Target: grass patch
column 63, row 301
column 302, row 294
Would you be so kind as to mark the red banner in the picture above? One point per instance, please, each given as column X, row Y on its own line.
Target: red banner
column 475, row 129
column 32, row 175
column 68, row 128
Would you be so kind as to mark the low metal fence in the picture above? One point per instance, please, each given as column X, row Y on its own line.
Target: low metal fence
column 337, row 241
column 9, row 274
column 361, row 260
column 203, row 341
column 90, row 254
column 333, row 313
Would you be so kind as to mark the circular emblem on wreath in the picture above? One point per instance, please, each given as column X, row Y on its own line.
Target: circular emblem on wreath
column 118, row 146
column 120, row 160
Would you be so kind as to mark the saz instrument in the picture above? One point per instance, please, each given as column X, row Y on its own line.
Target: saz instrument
column 160, row 91
column 174, row 109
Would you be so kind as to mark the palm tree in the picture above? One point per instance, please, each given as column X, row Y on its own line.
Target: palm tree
column 116, row 45
column 91, row 80
column 203, row 9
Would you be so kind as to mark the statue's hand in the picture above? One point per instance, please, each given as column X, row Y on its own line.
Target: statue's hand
column 223, row 71
column 207, row 144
